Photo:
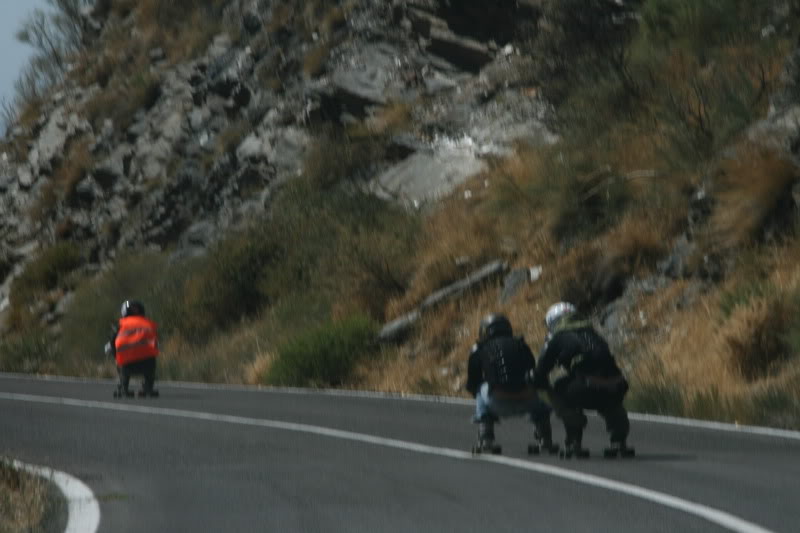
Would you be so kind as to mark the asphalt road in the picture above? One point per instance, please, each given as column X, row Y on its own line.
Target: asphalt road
column 206, row 459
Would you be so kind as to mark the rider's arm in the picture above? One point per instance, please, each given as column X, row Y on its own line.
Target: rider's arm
column 474, row 371
column 547, row 360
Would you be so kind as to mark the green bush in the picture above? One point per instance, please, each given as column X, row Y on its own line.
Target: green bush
column 582, row 42
column 741, row 295
column 225, row 288
column 49, row 269
column 30, row 352
column 588, row 204
column 700, row 25
column 324, row 356
column 46, row 272
column 343, row 242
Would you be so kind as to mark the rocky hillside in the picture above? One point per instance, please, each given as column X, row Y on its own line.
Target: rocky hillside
column 353, row 157
column 214, row 135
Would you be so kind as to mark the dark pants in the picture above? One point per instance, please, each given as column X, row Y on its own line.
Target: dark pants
column 145, row 368
column 572, row 394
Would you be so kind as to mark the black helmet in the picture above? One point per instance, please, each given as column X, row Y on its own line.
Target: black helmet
column 494, row 325
column 132, row 308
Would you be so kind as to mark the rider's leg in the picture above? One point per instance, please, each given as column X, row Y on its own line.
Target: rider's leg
column 124, row 378
column 540, row 417
column 149, row 372
column 569, row 410
column 617, row 423
column 484, row 416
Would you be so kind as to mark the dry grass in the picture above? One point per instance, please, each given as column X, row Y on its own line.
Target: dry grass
column 255, row 372
column 23, row 499
column 737, row 353
column 241, row 356
column 754, row 193
column 456, row 241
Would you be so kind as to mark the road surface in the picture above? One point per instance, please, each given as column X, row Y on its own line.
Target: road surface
column 235, row 459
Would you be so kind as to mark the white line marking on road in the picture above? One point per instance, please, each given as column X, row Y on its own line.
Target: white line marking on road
column 715, row 516
column 451, row 400
column 82, row 507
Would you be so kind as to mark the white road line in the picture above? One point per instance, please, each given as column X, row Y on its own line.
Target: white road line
column 83, row 509
column 710, row 514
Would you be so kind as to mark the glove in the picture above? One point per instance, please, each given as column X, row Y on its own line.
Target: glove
column 529, row 375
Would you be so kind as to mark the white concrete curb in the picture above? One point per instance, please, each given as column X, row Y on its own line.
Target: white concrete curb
column 82, row 507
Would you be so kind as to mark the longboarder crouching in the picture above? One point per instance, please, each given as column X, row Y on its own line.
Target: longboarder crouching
column 497, row 376
column 134, row 346
column 593, row 380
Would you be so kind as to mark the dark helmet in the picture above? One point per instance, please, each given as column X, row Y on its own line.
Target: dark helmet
column 132, row 308
column 494, row 325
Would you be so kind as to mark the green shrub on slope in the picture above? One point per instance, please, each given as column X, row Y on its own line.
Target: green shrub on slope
column 324, row 356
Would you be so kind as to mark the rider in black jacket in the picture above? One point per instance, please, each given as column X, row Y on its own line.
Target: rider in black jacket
column 592, row 380
column 498, row 376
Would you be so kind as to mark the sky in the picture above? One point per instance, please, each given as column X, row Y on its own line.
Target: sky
column 13, row 54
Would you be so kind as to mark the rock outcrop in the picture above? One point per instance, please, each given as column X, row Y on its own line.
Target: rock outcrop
column 211, row 140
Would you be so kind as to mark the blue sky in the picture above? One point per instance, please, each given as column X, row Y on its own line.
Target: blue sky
column 13, row 55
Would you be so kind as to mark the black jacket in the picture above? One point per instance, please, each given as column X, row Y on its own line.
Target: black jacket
column 577, row 348
column 503, row 362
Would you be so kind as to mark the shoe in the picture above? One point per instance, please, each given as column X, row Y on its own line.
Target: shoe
column 573, row 449
column 619, row 449
column 487, row 446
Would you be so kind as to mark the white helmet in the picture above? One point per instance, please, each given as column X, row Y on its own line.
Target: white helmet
column 556, row 312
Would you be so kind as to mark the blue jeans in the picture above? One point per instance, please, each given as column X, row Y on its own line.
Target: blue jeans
column 488, row 406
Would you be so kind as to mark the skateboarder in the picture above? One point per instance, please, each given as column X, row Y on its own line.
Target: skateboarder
column 593, row 380
column 135, row 348
column 497, row 376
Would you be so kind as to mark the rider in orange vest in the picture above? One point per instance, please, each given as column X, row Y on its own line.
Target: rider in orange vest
column 135, row 348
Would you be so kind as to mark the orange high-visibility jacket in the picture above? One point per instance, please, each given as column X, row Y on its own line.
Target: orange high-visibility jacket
column 137, row 340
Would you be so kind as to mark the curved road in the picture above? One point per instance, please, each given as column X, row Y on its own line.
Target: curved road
column 236, row 459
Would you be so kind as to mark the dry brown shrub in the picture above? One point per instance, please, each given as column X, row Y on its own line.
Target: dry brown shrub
column 754, row 193
column 23, row 499
column 754, row 338
column 575, row 276
column 256, row 371
column 455, row 242
column 690, row 354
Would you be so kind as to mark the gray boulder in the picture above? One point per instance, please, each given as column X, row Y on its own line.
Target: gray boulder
column 463, row 52
column 25, row 176
column 115, row 167
column 428, row 176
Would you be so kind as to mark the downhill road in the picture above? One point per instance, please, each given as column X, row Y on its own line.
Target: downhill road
column 236, row 459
